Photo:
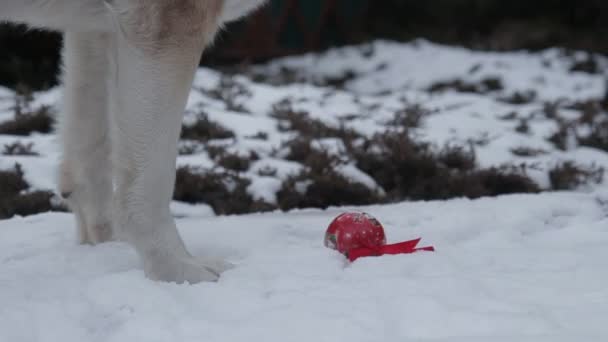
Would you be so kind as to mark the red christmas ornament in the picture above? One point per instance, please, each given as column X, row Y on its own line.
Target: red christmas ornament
column 360, row 234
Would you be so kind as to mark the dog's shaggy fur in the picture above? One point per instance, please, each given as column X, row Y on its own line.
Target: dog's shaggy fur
column 129, row 65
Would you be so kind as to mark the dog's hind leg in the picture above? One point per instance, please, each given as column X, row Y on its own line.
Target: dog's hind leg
column 86, row 174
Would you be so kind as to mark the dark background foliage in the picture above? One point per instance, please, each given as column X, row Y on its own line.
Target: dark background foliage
column 407, row 169
column 31, row 58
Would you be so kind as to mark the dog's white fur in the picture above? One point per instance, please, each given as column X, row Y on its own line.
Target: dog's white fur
column 129, row 66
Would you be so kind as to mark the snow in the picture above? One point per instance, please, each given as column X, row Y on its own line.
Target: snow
column 515, row 268
column 385, row 65
column 512, row 268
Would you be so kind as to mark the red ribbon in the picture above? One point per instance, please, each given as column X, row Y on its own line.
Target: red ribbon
column 406, row 247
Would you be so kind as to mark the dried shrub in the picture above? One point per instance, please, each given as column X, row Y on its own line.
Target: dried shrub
column 596, row 118
column 12, row 182
column 598, row 138
column 268, row 171
column 215, row 151
column 229, row 160
column 412, row 170
column 457, row 157
column 29, row 204
column 524, row 151
column 338, row 81
column 498, row 181
column 235, row 162
column 320, row 185
column 37, row 121
column 225, row 192
column 291, row 120
column 561, row 138
column 523, row 127
column 19, row 149
column 509, row 116
column 287, row 76
column 188, row 148
column 284, row 76
column 317, row 188
column 484, row 86
column 299, row 149
column 259, row 136
column 520, row 97
column 15, row 201
column 204, row 130
column 569, row 176
column 405, row 169
column 588, row 65
column 591, row 111
column 483, row 139
column 228, row 91
column 396, row 163
column 410, row 116
column 593, row 117
column 551, row 110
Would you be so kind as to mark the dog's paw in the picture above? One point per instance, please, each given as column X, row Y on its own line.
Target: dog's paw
column 185, row 270
column 219, row 265
column 101, row 232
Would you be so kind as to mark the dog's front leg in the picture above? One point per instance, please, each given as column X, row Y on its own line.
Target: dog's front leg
column 156, row 54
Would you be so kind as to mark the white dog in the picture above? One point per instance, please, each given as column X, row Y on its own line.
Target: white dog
column 129, row 66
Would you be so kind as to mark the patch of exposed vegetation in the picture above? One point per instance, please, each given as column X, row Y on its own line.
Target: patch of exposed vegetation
column 284, row 76
column 588, row 65
column 322, row 189
column 300, row 150
column 405, row 169
column 593, row 118
column 259, row 136
column 411, row 170
column 25, row 123
column 19, row 149
column 523, row 126
column 524, row 151
column 410, row 116
column 229, row 91
column 204, row 130
column 484, row 86
column 509, row 116
column 569, row 176
column 320, row 185
column 598, row 136
column 230, row 160
column 189, row 147
column 225, row 192
column 520, row 97
column 301, row 122
column 287, row 76
column 561, row 138
column 337, row 81
column 15, row 199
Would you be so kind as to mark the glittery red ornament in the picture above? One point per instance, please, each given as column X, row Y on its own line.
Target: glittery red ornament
column 360, row 234
column 354, row 230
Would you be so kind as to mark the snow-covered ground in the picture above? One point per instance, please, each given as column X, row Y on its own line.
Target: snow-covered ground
column 513, row 268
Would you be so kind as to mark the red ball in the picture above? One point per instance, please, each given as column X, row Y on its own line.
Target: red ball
column 354, row 230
